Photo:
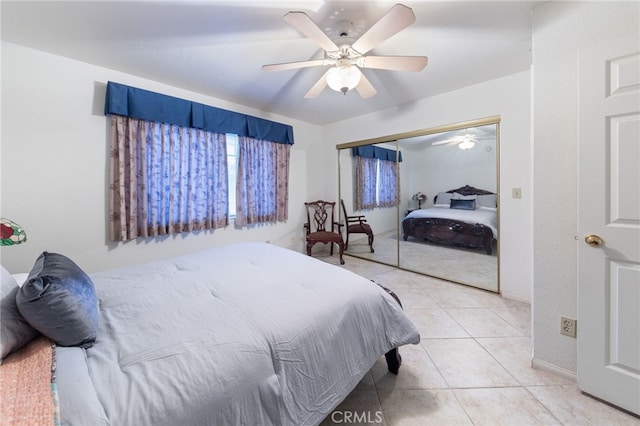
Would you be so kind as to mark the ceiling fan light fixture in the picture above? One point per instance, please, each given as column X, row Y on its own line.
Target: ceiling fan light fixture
column 343, row 79
column 466, row 144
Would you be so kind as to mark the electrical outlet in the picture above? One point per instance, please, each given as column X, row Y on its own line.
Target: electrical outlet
column 568, row 326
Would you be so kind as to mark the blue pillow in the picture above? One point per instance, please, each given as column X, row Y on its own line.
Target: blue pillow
column 15, row 331
column 59, row 300
column 463, row 204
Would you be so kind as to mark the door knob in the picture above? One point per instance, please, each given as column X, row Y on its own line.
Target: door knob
column 593, row 240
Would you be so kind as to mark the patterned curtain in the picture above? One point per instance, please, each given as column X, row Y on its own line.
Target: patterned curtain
column 165, row 179
column 388, row 184
column 262, row 181
column 365, row 190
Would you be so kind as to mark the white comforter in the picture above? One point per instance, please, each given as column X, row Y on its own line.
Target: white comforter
column 249, row 334
column 485, row 216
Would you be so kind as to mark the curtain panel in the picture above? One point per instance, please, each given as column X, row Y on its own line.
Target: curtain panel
column 262, row 190
column 365, row 185
column 165, row 179
column 388, row 184
column 376, row 177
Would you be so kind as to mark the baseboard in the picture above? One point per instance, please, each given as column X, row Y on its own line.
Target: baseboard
column 516, row 297
column 554, row 369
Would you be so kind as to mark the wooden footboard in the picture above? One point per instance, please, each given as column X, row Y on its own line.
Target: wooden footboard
column 450, row 232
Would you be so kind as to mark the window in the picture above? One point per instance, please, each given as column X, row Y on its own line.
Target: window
column 376, row 178
column 232, row 170
column 173, row 169
column 262, row 181
column 168, row 179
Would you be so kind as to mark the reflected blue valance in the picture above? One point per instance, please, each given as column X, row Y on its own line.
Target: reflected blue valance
column 370, row 151
column 145, row 105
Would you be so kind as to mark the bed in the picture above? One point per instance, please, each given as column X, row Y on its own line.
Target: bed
column 249, row 333
column 462, row 217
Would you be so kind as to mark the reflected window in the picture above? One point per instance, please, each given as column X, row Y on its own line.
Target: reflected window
column 376, row 177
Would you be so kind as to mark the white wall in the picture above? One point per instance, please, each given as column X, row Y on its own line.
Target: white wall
column 54, row 166
column 560, row 31
column 508, row 97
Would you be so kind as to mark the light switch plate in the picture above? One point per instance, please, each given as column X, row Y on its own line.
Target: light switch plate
column 516, row 192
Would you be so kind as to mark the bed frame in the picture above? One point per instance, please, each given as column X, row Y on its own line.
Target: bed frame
column 451, row 232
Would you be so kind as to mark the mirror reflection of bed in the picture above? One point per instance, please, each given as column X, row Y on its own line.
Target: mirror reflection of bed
column 433, row 163
column 456, row 237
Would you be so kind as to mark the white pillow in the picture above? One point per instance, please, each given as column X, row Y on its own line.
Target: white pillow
column 488, row 200
column 457, row 196
column 20, row 278
column 443, row 198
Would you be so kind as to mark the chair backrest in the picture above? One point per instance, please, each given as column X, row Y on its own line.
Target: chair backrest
column 351, row 219
column 320, row 216
column 344, row 210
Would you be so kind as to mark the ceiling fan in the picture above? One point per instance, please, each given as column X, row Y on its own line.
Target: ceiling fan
column 345, row 56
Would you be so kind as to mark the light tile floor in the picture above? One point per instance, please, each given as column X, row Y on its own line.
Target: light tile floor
column 472, row 366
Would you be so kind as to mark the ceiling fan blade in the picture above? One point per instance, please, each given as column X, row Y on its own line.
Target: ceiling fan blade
column 303, row 23
column 365, row 88
column 396, row 63
column 395, row 20
column 318, row 87
column 296, row 65
column 452, row 141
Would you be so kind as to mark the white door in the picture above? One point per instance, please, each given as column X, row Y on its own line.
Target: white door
column 609, row 211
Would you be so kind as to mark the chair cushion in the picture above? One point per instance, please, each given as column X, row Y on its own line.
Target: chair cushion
column 360, row 228
column 324, row 236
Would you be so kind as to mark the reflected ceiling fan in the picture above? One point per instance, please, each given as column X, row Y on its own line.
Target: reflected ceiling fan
column 345, row 56
column 466, row 141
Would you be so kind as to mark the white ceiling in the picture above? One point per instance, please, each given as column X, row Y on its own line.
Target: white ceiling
column 218, row 47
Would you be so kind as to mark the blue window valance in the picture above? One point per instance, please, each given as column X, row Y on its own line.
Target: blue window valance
column 370, row 151
column 143, row 104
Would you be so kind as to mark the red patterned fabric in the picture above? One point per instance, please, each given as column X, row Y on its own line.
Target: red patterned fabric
column 27, row 387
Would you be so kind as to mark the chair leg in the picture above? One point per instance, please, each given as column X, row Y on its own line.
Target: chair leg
column 309, row 245
column 371, row 242
column 346, row 243
column 341, row 246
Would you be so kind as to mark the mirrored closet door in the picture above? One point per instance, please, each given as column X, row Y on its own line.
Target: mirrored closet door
column 446, row 221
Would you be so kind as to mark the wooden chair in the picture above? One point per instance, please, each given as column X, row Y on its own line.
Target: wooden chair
column 321, row 226
column 356, row 225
